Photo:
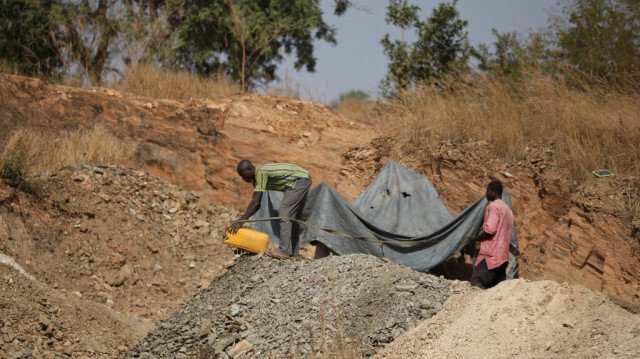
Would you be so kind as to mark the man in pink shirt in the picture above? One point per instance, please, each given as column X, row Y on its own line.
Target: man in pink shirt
column 493, row 258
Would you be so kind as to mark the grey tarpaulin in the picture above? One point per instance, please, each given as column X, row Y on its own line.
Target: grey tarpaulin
column 400, row 204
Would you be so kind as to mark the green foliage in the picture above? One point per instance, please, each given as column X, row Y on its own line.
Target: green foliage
column 15, row 174
column 91, row 35
column 513, row 55
column 24, row 36
column 442, row 46
column 591, row 41
column 76, row 38
column 354, row 95
column 600, row 38
column 246, row 40
column 509, row 56
column 88, row 39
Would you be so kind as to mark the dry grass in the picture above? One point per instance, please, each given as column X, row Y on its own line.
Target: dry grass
column 42, row 151
column 589, row 129
column 7, row 68
column 151, row 81
column 359, row 111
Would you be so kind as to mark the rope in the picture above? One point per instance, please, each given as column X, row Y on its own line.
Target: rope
column 343, row 234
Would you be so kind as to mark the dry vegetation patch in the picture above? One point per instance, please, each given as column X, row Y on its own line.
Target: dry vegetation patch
column 40, row 151
column 154, row 82
column 589, row 129
column 358, row 110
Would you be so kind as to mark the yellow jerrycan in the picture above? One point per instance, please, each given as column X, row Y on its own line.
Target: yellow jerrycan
column 248, row 240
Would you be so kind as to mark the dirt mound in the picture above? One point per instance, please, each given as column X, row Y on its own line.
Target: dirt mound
column 194, row 143
column 39, row 322
column 568, row 232
column 115, row 236
column 521, row 319
column 345, row 306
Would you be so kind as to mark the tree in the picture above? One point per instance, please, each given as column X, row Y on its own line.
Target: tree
column 90, row 35
column 246, row 39
column 508, row 58
column 512, row 54
column 142, row 29
column 599, row 38
column 25, row 26
column 442, row 46
column 354, row 95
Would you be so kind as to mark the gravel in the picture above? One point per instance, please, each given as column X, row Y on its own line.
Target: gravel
column 340, row 305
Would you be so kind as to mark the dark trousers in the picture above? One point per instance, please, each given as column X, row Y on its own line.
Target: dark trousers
column 485, row 278
column 292, row 205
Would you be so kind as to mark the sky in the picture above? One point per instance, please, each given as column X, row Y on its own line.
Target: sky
column 357, row 62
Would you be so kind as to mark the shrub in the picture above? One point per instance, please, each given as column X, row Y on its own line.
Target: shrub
column 15, row 174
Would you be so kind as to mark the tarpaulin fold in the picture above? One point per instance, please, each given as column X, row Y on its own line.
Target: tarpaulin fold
column 399, row 205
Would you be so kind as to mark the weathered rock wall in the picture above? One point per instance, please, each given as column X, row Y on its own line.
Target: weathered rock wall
column 572, row 233
column 196, row 144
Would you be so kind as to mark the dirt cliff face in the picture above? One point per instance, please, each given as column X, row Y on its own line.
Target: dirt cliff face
column 580, row 234
column 196, row 144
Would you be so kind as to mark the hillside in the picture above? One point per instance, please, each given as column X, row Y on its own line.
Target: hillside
column 118, row 237
column 39, row 321
column 196, row 144
column 136, row 247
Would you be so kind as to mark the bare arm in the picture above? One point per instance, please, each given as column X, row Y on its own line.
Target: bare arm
column 253, row 207
column 480, row 237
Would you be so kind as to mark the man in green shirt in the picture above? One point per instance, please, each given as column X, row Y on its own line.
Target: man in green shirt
column 295, row 182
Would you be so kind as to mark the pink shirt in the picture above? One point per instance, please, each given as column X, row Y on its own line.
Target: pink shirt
column 498, row 221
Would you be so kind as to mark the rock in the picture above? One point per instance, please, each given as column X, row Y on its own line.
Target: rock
column 497, row 176
column 270, row 304
column 235, row 310
column 426, row 304
column 406, row 287
column 123, row 274
column 224, row 341
column 205, row 327
column 243, row 347
column 118, row 260
column 201, row 224
column 44, row 321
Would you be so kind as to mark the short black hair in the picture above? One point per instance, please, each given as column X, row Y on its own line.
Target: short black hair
column 244, row 165
column 496, row 186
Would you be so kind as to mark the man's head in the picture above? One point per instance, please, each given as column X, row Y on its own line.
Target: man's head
column 246, row 170
column 494, row 191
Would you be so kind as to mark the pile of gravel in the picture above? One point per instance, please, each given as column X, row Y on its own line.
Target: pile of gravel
column 340, row 305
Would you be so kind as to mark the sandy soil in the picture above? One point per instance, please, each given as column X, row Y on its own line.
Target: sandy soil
column 521, row 319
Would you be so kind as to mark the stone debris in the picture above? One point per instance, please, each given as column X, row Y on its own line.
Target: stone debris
column 268, row 308
column 118, row 237
column 37, row 322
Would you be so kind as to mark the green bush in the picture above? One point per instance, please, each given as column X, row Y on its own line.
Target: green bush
column 15, row 175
